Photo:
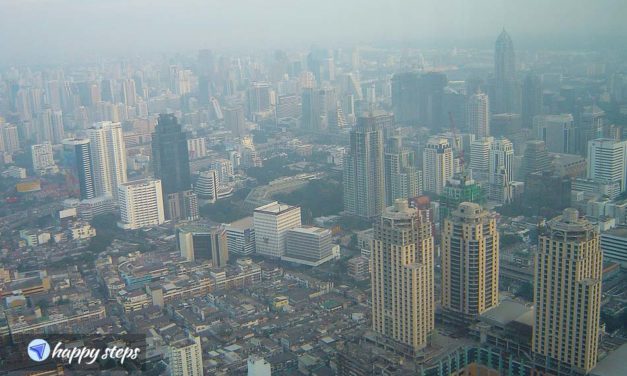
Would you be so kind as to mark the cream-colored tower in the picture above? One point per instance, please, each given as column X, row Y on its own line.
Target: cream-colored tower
column 402, row 276
column 470, row 261
column 567, row 294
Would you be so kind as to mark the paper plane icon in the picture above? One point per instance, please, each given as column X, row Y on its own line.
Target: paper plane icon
column 38, row 349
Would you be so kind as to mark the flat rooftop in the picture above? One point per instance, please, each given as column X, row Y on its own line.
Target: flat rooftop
column 620, row 231
column 275, row 208
column 244, row 223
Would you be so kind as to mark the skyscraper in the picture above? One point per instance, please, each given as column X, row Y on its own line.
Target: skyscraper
column 536, row 158
column 505, row 95
column 364, row 180
column 557, row 132
column 171, row 166
column 402, row 179
column 108, row 153
column 402, row 276
column 198, row 243
column 235, row 121
column 78, row 164
column 480, row 158
column 501, row 170
column 259, row 97
column 437, row 164
column 478, row 115
column 470, row 261
column 272, row 221
column 567, row 298
column 606, row 161
column 532, row 100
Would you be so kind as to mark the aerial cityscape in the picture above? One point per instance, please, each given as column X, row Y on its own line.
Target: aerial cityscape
column 197, row 188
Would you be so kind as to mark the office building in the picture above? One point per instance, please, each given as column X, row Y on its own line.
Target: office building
column 607, row 160
column 402, row 179
column 478, row 115
column 535, row 158
column 207, row 185
column 506, row 96
column 43, row 159
column 437, row 164
column 272, row 221
column 78, row 166
column 171, row 165
column 203, row 243
column 310, row 246
column 614, row 245
column 567, row 297
column 141, row 204
column 240, row 236
column 197, row 148
column 402, row 277
column 460, row 188
column 185, row 357
column 108, row 153
column 470, row 262
column 364, row 181
column 259, row 97
column 591, row 126
column 557, row 132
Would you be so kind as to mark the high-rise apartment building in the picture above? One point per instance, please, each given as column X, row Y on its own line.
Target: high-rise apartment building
column 568, row 274
column 607, row 161
column 185, row 357
column 141, row 204
column 402, row 276
column 470, row 261
column 77, row 162
column 480, row 158
column 108, row 153
column 364, row 181
column 437, row 164
column 272, row 221
column 478, row 115
column 501, row 170
column 402, row 179
column 235, row 120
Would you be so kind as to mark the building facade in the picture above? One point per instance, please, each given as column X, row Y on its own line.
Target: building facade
column 272, row 221
column 141, row 204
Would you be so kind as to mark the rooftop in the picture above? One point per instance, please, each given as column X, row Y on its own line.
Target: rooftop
column 275, row 208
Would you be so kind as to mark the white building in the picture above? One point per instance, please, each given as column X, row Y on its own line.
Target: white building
column 310, row 246
column 206, row 187
column 141, row 204
column 197, row 148
column 186, row 357
column 258, row 366
column 478, row 115
column 606, row 161
column 240, row 236
column 108, row 153
column 272, row 221
column 224, row 168
column 437, row 164
column 501, row 170
column 480, row 158
column 43, row 159
column 557, row 132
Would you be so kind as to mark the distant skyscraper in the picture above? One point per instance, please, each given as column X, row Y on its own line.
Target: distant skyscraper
column 402, row 179
column 418, row 99
column 536, row 158
column 10, row 138
column 78, row 163
column 557, row 132
column 259, row 98
column 403, row 306
column 532, row 100
column 480, row 158
column 171, row 166
column 590, row 127
column 108, row 153
column 235, row 121
column 364, row 180
column 505, row 84
column 141, row 204
column 567, row 298
column 437, row 164
column 470, row 261
column 607, row 161
column 478, row 115
column 501, row 170
column 405, row 91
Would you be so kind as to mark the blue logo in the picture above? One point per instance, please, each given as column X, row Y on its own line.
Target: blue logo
column 38, row 350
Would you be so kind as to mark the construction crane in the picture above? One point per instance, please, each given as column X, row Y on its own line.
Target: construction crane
column 457, row 141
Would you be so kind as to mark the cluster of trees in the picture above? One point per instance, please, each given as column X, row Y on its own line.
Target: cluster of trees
column 318, row 198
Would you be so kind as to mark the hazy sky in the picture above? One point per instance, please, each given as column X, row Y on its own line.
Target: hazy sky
column 36, row 30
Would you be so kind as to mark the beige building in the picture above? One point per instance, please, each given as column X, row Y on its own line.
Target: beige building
column 402, row 276
column 470, row 261
column 186, row 357
column 567, row 284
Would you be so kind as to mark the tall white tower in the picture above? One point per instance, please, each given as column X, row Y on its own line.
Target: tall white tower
column 478, row 115
column 108, row 153
column 437, row 164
